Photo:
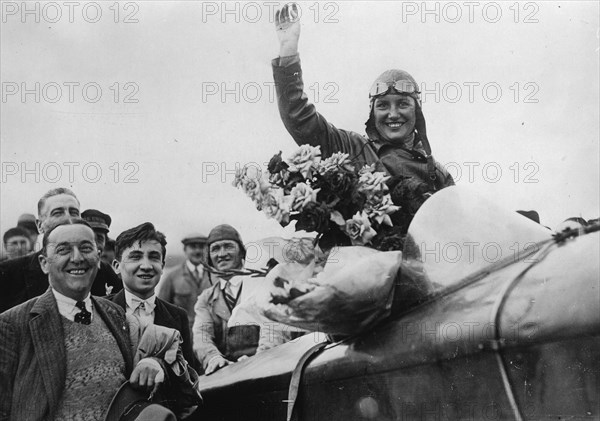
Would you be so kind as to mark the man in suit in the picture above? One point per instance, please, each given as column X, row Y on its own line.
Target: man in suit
column 65, row 353
column 215, row 344
column 140, row 259
column 23, row 278
column 186, row 282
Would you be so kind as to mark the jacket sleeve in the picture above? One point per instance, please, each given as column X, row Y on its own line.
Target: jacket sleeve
column 204, row 331
column 301, row 118
column 186, row 336
column 8, row 365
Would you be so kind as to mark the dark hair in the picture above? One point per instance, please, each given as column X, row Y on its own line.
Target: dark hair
column 70, row 221
column 15, row 232
column 139, row 234
column 54, row 192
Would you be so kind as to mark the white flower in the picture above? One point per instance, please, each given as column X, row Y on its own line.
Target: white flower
column 302, row 194
column 379, row 208
column 251, row 180
column 304, row 160
column 372, row 183
column 276, row 205
column 334, row 162
column 359, row 229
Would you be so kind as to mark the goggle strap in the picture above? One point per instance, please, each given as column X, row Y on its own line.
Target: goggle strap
column 422, row 130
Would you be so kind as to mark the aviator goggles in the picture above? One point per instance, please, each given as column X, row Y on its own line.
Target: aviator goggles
column 401, row 86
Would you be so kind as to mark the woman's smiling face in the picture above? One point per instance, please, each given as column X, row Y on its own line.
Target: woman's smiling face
column 395, row 117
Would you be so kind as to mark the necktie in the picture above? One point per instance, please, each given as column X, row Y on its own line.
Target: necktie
column 196, row 274
column 229, row 298
column 84, row 316
column 141, row 314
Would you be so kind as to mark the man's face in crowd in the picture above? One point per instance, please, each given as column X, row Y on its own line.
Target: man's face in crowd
column 71, row 260
column 100, row 239
column 395, row 117
column 195, row 252
column 17, row 246
column 225, row 255
column 140, row 267
column 57, row 209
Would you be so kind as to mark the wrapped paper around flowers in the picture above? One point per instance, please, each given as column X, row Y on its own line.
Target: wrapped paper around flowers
column 352, row 293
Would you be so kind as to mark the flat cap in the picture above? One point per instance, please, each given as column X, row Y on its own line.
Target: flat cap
column 194, row 237
column 97, row 220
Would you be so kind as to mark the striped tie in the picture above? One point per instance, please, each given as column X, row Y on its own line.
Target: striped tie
column 229, row 298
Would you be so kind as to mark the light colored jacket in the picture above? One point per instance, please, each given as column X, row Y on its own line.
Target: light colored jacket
column 179, row 287
column 212, row 337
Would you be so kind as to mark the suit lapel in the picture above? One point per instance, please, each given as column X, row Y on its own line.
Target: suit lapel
column 48, row 342
column 119, row 299
column 116, row 323
column 203, row 283
column 162, row 316
column 188, row 276
column 218, row 303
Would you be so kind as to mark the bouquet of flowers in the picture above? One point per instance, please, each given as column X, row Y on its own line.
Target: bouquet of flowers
column 343, row 204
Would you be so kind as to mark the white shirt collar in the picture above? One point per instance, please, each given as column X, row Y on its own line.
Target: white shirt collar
column 192, row 266
column 66, row 305
column 235, row 283
column 134, row 301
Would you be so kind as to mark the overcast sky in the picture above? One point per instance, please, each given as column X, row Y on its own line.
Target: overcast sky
column 144, row 109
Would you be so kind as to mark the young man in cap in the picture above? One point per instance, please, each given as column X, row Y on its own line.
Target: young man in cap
column 100, row 223
column 23, row 278
column 64, row 355
column 215, row 344
column 139, row 259
column 186, row 282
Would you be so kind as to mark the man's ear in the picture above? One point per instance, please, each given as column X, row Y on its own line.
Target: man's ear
column 43, row 263
column 38, row 223
column 116, row 266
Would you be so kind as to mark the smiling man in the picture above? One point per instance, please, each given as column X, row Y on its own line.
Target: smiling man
column 65, row 354
column 215, row 344
column 22, row 278
column 140, row 258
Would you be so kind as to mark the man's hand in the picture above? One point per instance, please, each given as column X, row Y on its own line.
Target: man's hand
column 216, row 363
column 287, row 24
column 147, row 375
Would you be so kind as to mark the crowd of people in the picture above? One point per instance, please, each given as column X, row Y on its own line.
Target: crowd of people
column 76, row 303
column 68, row 276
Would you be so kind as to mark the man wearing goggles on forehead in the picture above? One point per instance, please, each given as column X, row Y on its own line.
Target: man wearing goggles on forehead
column 396, row 138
